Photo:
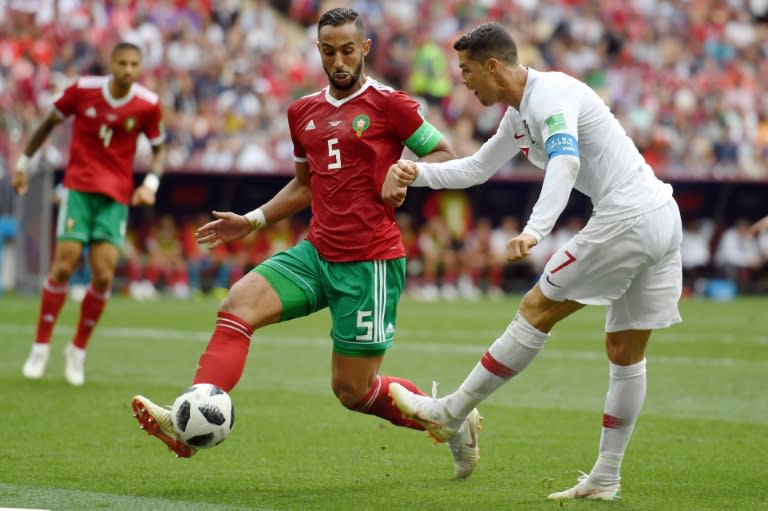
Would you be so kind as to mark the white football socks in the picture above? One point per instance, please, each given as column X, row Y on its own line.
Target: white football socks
column 626, row 393
column 511, row 353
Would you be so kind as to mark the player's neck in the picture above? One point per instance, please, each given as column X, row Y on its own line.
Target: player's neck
column 514, row 87
column 118, row 91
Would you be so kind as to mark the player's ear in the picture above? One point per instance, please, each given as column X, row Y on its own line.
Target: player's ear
column 366, row 47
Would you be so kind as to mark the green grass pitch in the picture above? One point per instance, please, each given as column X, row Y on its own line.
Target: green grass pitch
column 701, row 442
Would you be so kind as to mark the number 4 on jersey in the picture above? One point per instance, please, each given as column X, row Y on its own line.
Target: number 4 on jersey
column 105, row 134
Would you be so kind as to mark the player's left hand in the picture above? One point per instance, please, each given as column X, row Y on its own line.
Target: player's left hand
column 519, row 247
column 143, row 196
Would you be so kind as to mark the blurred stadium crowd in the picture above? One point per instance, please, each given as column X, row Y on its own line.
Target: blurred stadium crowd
column 685, row 77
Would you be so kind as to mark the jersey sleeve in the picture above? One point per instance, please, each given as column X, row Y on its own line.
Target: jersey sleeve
column 475, row 169
column 66, row 104
column 559, row 130
column 299, row 152
column 406, row 118
column 155, row 128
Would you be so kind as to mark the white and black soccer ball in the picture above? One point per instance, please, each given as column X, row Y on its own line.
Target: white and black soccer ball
column 203, row 416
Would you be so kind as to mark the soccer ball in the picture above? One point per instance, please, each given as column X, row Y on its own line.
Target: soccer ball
column 203, row 416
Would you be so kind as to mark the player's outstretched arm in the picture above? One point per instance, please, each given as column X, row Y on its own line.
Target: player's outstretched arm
column 759, row 226
column 292, row 198
column 19, row 179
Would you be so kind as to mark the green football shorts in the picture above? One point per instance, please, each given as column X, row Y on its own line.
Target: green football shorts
column 362, row 296
column 88, row 217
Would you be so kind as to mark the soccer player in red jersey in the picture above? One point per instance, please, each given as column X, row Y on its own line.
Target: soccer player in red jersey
column 109, row 114
column 352, row 262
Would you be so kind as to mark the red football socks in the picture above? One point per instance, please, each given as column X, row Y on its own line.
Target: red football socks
column 53, row 296
column 377, row 402
column 223, row 362
column 93, row 305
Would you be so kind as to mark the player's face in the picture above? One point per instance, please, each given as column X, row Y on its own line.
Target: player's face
column 126, row 66
column 477, row 78
column 343, row 51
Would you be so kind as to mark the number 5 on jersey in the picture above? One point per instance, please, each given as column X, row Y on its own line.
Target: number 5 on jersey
column 335, row 153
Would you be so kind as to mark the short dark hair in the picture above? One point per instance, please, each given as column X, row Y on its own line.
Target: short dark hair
column 125, row 45
column 489, row 40
column 341, row 16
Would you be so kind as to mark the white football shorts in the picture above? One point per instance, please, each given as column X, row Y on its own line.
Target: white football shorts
column 633, row 266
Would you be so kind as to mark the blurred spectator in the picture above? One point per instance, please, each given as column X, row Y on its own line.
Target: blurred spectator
column 696, row 252
column 516, row 276
column 738, row 255
column 413, row 258
column 484, row 270
column 131, row 266
column 440, row 261
column 208, row 270
column 567, row 230
column 166, row 267
column 429, row 75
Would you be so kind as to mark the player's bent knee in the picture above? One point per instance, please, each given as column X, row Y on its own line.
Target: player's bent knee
column 626, row 347
column 543, row 313
column 253, row 300
column 348, row 395
column 535, row 308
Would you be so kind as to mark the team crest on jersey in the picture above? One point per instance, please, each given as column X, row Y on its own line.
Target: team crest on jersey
column 360, row 124
column 130, row 123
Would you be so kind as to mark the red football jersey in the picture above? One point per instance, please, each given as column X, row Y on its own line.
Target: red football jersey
column 349, row 145
column 104, row 135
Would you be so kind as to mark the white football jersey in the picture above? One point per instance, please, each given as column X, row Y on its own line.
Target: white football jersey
column 561, row 116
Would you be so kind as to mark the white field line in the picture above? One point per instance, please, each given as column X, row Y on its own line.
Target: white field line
column 60, row 498
column 549, row 351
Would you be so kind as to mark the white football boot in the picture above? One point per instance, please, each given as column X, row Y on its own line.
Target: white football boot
column 34, row 367
column 432, row 415
column 464, row 445
column 587, row 490
column 156, row 421
column 74, row 364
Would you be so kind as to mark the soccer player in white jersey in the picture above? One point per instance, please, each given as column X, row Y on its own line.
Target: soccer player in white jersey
column 627, row 257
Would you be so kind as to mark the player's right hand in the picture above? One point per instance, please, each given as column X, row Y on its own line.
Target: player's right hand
column 228, row 227
column 19, row 182
column 403, row 173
